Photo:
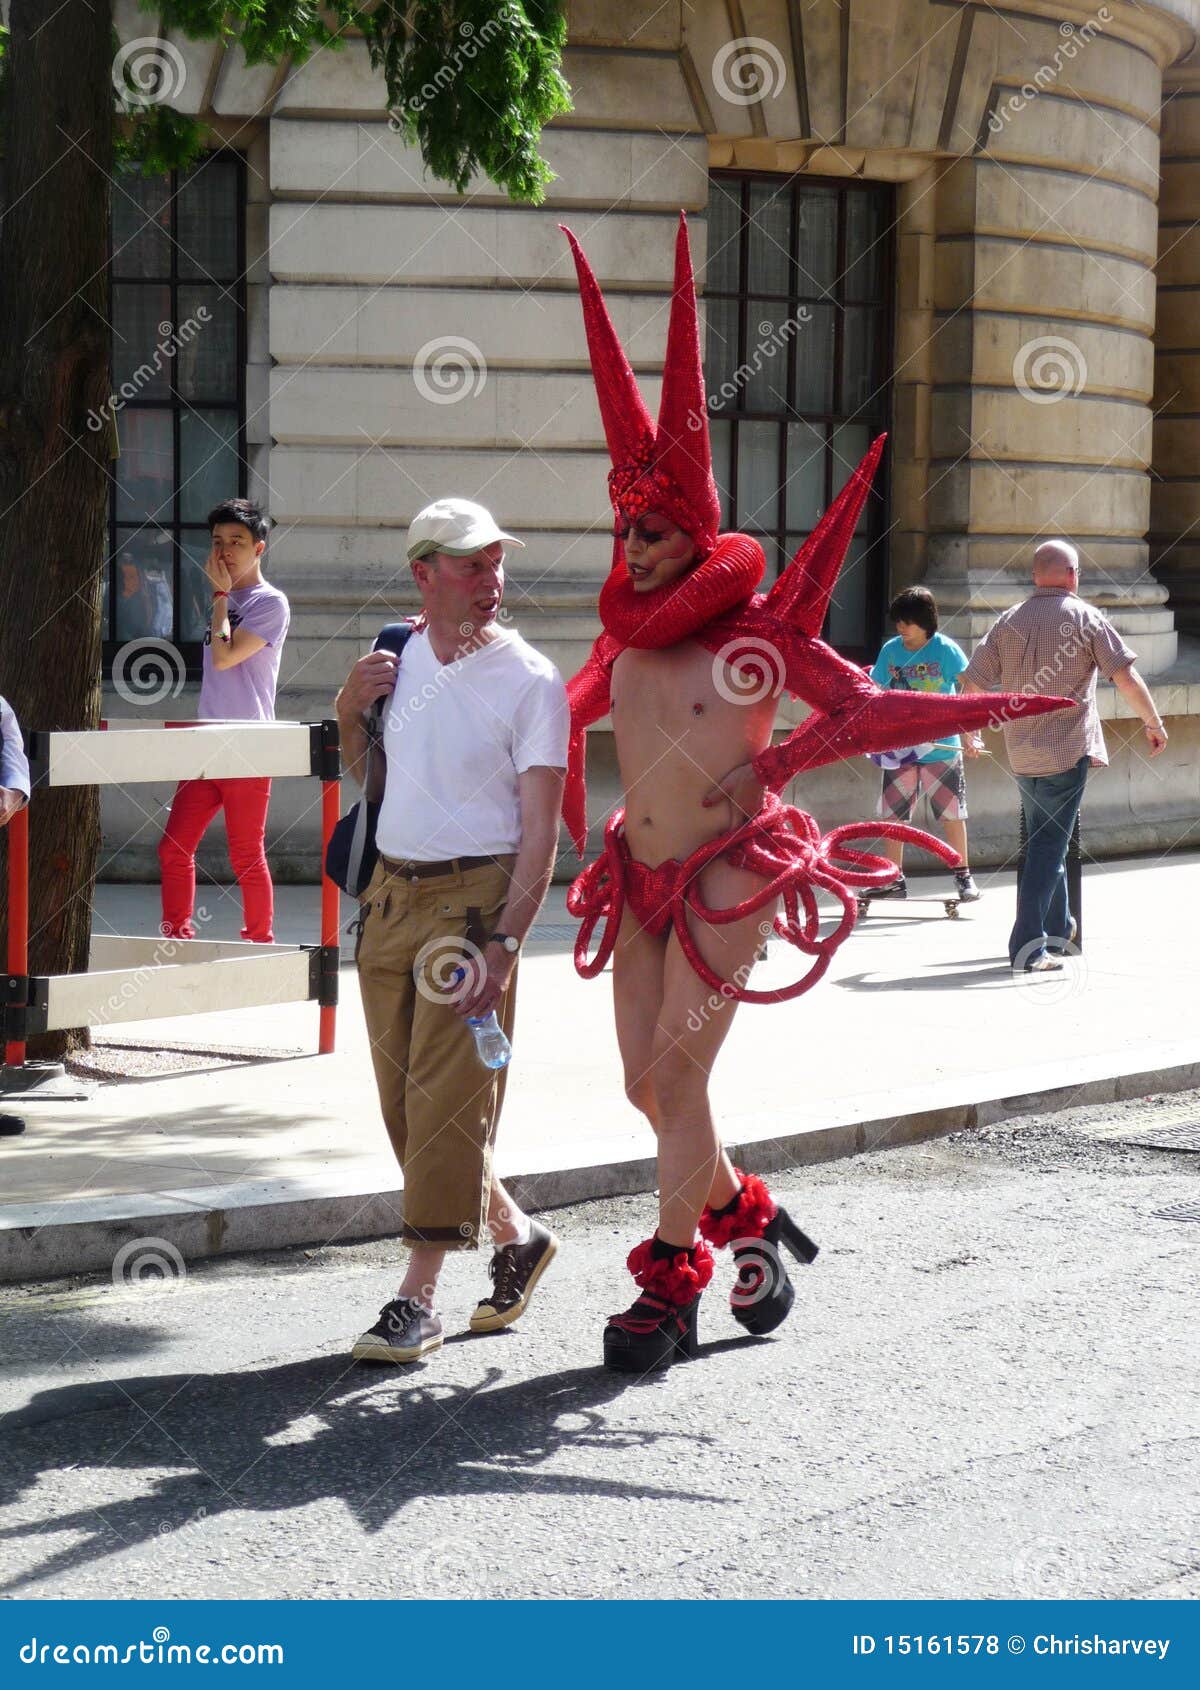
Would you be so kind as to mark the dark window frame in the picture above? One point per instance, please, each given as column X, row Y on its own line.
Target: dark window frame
column 876, row 412
column 221, row 158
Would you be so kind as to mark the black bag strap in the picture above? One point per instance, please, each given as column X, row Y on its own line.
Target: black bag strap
column 394, row 637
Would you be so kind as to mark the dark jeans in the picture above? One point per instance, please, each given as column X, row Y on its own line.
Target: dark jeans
column 1051, row 804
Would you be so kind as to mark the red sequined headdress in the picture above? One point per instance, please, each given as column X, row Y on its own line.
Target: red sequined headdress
column 666, row 466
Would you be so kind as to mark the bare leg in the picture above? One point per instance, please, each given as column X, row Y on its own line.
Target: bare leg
column 692, row 1026
column 893, row 850
column 424, row 1267
column 637, row 998
column 504, row 1216
column 639, row 963
column 956, row 838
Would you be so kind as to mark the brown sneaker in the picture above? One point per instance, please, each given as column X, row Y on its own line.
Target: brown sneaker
column 404, row 1332
column 515, row 1270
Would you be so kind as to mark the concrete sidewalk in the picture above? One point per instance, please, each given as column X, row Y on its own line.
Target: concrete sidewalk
column 918, row 1029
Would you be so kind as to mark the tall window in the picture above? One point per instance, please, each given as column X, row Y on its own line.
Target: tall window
column 798, row 292
column 179, row 357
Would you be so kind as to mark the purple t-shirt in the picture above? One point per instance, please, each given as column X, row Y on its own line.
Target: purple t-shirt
column 246, row 693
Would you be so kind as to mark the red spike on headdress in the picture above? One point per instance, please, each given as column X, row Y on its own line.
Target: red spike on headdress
column 682, row 448
column 668, row 469
column 628, row 428
column 802, row 593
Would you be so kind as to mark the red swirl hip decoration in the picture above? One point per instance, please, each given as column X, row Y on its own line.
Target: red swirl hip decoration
column 782, row 844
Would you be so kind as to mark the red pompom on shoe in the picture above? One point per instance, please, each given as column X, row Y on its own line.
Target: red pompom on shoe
column 676, row 1279
column 750, row 1216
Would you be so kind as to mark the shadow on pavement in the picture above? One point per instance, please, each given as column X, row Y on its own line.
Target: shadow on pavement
column 287, row 1436
column 965, row 974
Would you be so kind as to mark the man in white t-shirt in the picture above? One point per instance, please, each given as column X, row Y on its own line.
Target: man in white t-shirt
column 474, row 754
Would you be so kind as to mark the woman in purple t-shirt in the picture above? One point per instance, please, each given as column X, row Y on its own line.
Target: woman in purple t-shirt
column 247, row 628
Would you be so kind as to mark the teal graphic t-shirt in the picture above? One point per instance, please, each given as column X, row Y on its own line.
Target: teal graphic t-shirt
column 934, row 668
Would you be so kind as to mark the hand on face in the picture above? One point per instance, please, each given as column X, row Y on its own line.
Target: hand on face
column 657, row 552
column 217, row 572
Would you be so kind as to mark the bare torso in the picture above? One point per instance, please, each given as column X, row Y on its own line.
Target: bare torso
column 676, row 736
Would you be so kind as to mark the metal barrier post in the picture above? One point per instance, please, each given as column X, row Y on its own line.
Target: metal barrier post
column 331, row 803
column 18, row 921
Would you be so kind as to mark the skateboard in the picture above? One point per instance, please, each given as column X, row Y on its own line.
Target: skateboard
column 950, row 902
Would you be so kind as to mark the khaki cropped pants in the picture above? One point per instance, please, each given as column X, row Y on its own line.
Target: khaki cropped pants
column 440, row 1105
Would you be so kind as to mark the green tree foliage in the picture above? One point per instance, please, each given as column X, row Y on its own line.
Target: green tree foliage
column 471, row 82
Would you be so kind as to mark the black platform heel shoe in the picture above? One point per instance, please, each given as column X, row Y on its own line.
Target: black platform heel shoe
column 659, row 1329
column 756, row 1227
column 763, row 1296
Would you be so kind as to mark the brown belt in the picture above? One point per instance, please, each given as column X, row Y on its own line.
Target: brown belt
column 428, row 871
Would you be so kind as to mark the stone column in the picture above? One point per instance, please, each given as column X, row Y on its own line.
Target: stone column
column 1175, row 494
column 1044, row 287
column 912, row 381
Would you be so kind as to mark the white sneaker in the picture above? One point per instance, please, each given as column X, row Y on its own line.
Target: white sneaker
column 1042, row 965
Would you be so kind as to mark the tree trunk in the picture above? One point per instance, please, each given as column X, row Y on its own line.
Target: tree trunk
column 56, row 135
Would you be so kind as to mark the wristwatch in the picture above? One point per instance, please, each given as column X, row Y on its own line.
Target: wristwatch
column 511, row 945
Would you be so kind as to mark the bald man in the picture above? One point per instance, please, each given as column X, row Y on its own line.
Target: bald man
column 1054, row 643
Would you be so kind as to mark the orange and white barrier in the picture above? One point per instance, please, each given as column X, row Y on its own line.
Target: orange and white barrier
column 197, row 975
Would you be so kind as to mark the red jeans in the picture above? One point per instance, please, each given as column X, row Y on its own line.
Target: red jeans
column 195, row 804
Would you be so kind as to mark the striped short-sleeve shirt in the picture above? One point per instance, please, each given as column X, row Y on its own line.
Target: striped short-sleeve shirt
column 1051, row 645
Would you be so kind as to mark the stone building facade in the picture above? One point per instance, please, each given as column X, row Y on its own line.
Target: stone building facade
column 1006, row 196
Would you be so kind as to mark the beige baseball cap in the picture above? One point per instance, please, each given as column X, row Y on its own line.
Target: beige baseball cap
column 456, row 526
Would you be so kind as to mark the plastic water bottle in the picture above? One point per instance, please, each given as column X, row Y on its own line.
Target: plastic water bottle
column 491, row 1041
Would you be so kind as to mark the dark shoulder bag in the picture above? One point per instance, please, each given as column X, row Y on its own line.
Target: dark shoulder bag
column 351, row 855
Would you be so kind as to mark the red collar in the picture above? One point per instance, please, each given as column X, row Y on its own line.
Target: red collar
column 650, row 621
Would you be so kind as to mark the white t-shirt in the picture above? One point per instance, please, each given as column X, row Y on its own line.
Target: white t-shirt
column 456, row 737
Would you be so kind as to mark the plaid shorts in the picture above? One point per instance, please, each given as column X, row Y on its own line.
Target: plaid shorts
column 942, row 783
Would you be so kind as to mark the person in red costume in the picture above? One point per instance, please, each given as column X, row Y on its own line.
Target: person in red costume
column 691, row 663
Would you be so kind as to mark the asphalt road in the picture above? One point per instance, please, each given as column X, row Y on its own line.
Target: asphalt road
column 987, row 1389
